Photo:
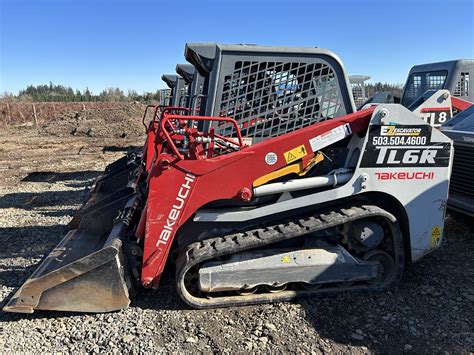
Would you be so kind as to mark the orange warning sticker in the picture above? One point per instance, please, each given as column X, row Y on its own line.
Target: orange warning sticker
column 295, row 154
column 436, row 234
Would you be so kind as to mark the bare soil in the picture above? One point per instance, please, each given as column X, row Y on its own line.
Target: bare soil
column 22, row 113
column 116, row 122
column 45, row 174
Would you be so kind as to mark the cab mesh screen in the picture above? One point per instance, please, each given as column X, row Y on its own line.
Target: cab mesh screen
column 268, row 99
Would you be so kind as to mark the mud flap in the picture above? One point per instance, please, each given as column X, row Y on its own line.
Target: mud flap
column 87, row 271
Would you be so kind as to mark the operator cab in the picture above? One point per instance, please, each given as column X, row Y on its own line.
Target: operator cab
column 269, row 91
column 178, row 88
column 453, row 75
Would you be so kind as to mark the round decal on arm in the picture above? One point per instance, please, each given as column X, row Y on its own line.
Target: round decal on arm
column 271, row 158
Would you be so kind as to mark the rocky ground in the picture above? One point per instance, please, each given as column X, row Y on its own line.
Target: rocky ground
column 44, row 179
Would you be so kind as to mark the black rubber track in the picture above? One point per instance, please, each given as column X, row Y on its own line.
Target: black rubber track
column 196, row 253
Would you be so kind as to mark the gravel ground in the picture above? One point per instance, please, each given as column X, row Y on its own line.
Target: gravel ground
column 44, row 180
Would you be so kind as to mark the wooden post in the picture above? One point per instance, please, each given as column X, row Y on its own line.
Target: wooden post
column 34, row 115
column 83, row 107
column 9, row 114
column 54, row 109
column 23, row 117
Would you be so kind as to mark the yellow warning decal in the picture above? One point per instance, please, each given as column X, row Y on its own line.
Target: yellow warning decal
column 436, row 234
column 296, row 168
column 285, row 259
column 295, row 154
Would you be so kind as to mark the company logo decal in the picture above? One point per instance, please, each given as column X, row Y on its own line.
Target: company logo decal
column 175, row 212
column 405, row 175
column 399, row 131
column 404, row 146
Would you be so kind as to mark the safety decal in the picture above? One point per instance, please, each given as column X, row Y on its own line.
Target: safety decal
column 436, row 116
column 404, row 146
column 328, row 138
column 295, row 154
column 436, row 234
column 285, row 259
column 271, row 158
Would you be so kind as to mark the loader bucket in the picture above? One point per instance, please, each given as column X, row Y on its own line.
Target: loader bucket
column 88, row 270
column 119, row 179
column 97, row 201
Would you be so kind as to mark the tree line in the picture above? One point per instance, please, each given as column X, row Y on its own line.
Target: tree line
column 395, row 89
column 61, row 93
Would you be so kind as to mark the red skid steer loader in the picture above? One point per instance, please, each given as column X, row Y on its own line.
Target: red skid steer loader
column 320, row 199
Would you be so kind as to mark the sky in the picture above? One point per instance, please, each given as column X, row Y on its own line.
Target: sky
column 130, row 44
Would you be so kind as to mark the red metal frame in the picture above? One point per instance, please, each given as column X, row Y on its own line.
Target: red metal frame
column 460, row 104
column 150, row 147
column 166, row 120
column 178, row 186
column 144, row 114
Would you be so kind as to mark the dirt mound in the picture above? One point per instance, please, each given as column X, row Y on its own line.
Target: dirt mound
column 117, row 122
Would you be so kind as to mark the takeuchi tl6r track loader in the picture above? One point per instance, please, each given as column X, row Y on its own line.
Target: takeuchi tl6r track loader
column 266, row 185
